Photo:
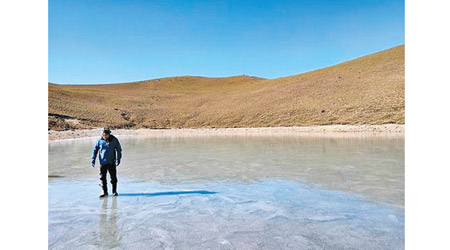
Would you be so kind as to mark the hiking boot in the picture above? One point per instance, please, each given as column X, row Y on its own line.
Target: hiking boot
column 115, row 194
column 114, row 187
column 103, row 195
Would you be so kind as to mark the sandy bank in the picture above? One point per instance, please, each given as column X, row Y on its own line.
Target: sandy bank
column 329, row 130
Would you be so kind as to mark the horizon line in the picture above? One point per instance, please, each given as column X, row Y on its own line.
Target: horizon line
column 164, row 77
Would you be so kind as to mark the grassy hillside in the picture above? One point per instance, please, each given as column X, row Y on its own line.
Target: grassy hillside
column 367, row 90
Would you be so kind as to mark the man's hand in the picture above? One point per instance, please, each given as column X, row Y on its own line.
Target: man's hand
column 117, row 163
column 93, row 165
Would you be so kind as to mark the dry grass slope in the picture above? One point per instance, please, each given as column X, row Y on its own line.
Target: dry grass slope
column 367, row 90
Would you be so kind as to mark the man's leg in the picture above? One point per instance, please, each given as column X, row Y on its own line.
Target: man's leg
column 113, row 174
column 103, row 171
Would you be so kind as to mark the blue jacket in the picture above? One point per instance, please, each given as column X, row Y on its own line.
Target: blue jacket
column 108, row 149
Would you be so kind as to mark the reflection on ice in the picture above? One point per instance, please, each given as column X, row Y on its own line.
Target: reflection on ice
column 271, row 214
column 109, row 232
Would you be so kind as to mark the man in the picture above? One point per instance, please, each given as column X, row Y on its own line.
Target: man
column 108, row 145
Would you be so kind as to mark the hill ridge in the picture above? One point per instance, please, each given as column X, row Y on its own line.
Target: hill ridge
column 364, row 90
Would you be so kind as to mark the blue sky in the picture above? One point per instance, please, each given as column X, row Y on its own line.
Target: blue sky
column 123, row 41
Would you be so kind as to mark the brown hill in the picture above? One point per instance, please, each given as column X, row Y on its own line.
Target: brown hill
column 367, row 90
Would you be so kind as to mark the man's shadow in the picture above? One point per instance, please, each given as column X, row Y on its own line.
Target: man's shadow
column 168, row 193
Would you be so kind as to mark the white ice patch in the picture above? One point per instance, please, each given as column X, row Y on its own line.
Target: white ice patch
column 218, row 215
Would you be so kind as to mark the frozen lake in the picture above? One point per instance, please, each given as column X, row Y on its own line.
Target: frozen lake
column 231, row 193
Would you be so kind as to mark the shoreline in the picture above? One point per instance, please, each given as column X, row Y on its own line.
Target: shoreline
column 324, row 131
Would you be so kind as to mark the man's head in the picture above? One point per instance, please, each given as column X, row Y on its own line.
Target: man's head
column 106, row 133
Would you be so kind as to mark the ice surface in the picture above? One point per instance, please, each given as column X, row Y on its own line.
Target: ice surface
column 275, row 214
column 373, row 167
column 231, row 193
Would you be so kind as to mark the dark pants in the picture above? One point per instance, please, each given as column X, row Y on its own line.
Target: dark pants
column 111, row 168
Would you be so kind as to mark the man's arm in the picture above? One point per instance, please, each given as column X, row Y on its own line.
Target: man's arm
column 94, row 153
column 119, row 152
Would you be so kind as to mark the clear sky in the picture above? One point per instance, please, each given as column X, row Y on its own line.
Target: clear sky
column 123, row 41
